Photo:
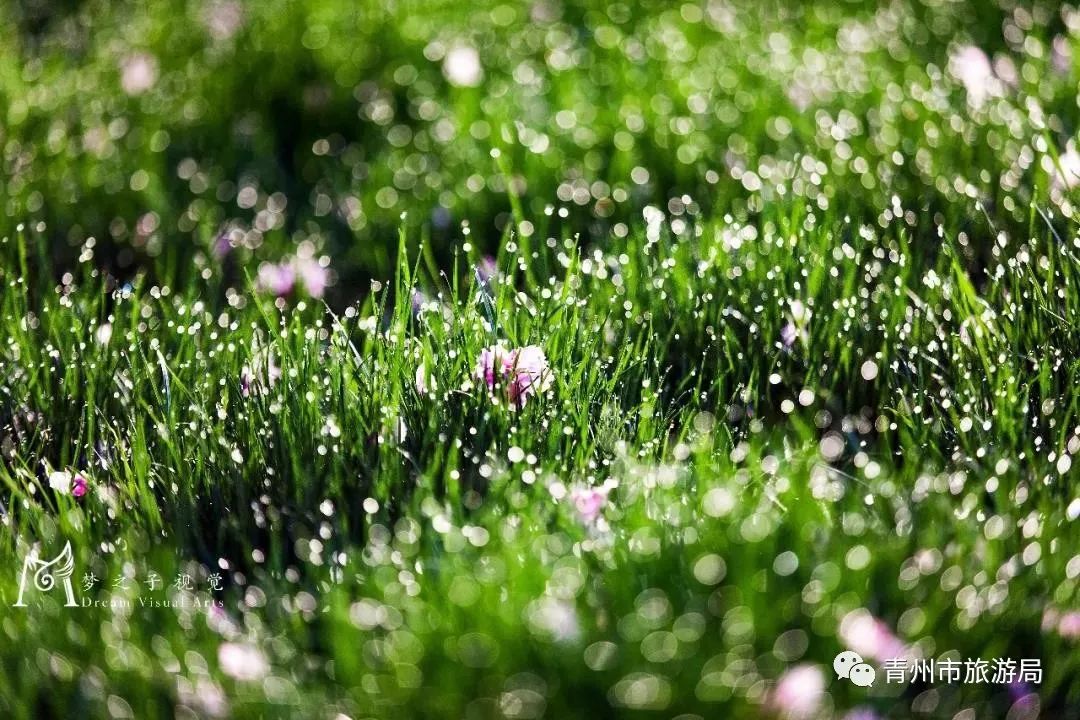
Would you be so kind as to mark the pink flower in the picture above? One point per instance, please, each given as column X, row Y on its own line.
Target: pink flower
column 493, row 365
column 79, row 485
column 221, row 246
column 870, row 637
column 488, row 268
column 788, row 334
column 419, row 299
column 276, row 278
column 313, row 276
column 528, row 374
column 522, row 371
column 280, row 278
column 242, row 661
column 202, row 695
column 589, row 502
column 798, row 692
column 68, row 483
column 1069, row 625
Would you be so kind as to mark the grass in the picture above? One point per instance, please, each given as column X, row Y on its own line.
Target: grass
column 812, row 323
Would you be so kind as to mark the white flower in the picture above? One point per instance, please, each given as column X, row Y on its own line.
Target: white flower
column 425, row 380
column 972, row 68
column 60, row 481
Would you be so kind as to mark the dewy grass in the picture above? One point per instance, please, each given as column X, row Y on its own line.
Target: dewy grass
column 563, row 360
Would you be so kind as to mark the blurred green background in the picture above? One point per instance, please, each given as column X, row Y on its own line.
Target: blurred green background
column 158, row 128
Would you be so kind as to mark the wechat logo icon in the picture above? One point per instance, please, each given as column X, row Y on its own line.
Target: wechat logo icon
column 850, row 665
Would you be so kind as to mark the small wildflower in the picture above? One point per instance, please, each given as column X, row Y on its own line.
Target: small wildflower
column 425, row 381
column 79, row 485
column 972, row 68
column 523, row 371
column 788, row 335
column 204, row 696
column 60, row 481
column 68, row 483
column 1069, row 625
column 795, row 329
column 418, row 300
column 242, row 661
column 276, row 278
column 798, row 692
column 493, row 363
column 280, row 279
column 529, row 374
column 221, row 246
column 487, row 269
column 589, row 502
column 870, row 637
column 313, row 276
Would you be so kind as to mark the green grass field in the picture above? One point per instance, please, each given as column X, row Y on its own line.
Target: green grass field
column 539, row 360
